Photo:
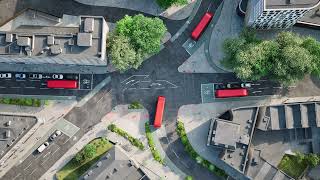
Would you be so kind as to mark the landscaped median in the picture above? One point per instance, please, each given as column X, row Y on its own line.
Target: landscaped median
column 84, row 159
column 155, row 153
column 21, row 101
column 200, row 160
column 134, row 141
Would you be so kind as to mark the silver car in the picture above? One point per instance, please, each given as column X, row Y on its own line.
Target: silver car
column 55, row 134
column 35, row 76
column 20, row 76
column 5, row 75
column 57, row 76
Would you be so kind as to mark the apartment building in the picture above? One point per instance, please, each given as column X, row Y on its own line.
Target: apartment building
column 277, row 14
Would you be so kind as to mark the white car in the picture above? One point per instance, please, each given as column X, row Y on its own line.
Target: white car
column 35, row 76
column 57, row 76
column 42, row 147
column 246, row 85
column 5, row 75
column 55, row 134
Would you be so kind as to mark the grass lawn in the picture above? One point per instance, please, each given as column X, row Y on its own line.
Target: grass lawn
column 21, row 101
column 73, row 170
column 289, row 164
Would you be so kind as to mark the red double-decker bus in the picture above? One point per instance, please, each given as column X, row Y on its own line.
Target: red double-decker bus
column 65, row 84
column 159, row 112
column 225, row 93
column 205, row 20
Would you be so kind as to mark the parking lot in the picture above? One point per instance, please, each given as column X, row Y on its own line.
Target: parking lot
column 12, row 128
column 38, row 86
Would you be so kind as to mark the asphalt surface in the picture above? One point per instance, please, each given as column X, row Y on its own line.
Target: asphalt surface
column 32, row 86
column 157, row 76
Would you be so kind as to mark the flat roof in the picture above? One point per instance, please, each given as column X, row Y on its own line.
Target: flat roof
column 226, row 133
column 284, row 4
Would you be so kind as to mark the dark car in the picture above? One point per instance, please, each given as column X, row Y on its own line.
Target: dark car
column 233, row 85
column 72, row 76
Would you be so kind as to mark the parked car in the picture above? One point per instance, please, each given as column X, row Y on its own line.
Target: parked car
column 233, row 85
column 72, row 76
column 57, row 76
column 246, row 85
column 20, row 76
column 5, row 75
column 35, row 76
column 42, row 147
column 55, row 134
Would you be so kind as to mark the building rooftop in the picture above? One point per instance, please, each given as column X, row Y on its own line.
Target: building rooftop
column 290, row 4
column 312, row 17
column 88, row 39
column 226, row 134
column 114, row 165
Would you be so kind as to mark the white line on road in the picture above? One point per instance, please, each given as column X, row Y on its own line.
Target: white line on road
column 130, row 81
column 2, row 87
column 160, row 88
column 30, row 87
column 145, row 88
column 17, row 176
column 256, row 92
column 27, row 166
column 56, row 150
column 256, row 84
column 33, row 171
column 262, row 80
column 134, row 76
column 292, row 86
column 48, row 153
column 175, row 154
column 175, row 86
column 277, row 87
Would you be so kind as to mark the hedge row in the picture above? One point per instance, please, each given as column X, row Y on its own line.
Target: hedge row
column 135, row 105
column 155, row 153
column 134, row 141
column 21, row 101
column 200, row 160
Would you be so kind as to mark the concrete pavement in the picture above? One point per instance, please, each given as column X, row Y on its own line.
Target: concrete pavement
column 131, row 121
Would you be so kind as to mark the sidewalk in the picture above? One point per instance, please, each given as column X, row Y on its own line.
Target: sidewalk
column 146, row 6
column 131, row 121
column 228, row 25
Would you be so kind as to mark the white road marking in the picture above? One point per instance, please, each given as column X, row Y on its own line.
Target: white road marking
column 256, row 92
column 32, row 171
column 17, row 176
column 145, row 88
column 292, row 86
column 134, row 76
column 277, row 87
column 2, row 87
column 131, row 81
column 48, row 153
column 174, row 86
column 27, row 166
column 30, row 87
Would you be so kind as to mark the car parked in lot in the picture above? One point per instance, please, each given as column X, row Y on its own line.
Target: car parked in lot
column 35, row 76
column 55, row 134
column 72, row 76
column 20, row 76
column 57, row 76
column 42, row 147
column 5, row 75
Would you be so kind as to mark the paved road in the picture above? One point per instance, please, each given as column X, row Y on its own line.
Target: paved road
column 31, row 86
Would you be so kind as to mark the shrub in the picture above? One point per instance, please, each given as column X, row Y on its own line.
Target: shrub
column 135, row 105
column 167, row 3
column 155, row 153
column 134, row 141
column 188, row 178
column 188, row 147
